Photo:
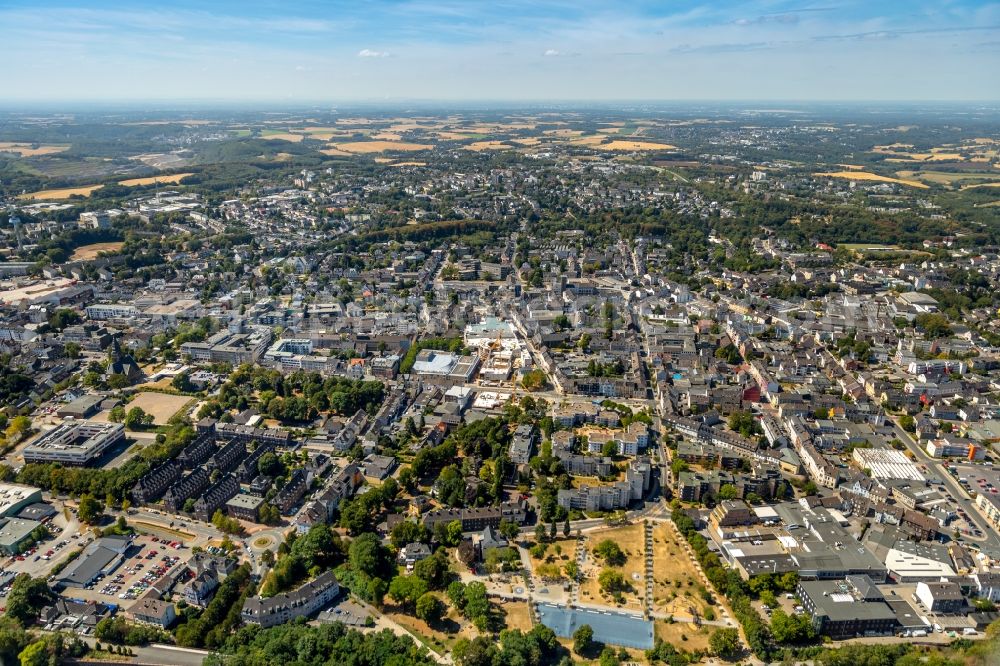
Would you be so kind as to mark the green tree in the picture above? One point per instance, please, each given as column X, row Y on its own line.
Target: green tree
column 534, row 380
column 406, row 532
column 791, row 628
column 907, row 423
column 609, row 657
column 509, row 529
column 429, row 608
column 18, row 427
column 610, row 552
column 26, row 598
column 366, row 555
column 226, row 524
column 725, row 643
column 612, row 581
column 933, row 325
column 269, row 465
column 35, row 654
column 90, row 510
column 63, row 317
column 182, row 382
column 583, row 639
column 117, row 381
column 137, row 418
column 406, row 590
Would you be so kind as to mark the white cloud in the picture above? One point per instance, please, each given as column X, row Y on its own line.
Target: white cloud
column 550, row 53
column 369, row 53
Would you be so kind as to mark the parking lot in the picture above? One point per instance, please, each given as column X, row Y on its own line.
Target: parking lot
column 38, row 560
column 977, row 480
column 147, row 561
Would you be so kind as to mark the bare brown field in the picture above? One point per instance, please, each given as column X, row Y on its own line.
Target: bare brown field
column 409, row 164
column 635, row 145
column 864, row 175
column 387, row 136
column 283, row 136
column 487, row 145
column 367, row 147
column 517, row 615
column 88, row 252
column 563, row 132
column 161, row 405
column 676, row 580
column 30, row 149
column 969, row 187
column 527, row 141
column 61, row 193
column 630, row 539
column 173, row 179
column 685, row 635
column 566, row 549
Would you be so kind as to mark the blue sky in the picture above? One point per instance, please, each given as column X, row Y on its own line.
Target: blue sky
column 453, row 50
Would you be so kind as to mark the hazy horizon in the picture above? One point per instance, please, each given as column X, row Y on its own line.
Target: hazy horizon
column 448, row 51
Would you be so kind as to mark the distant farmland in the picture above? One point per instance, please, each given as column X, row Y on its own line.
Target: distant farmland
column 365, row 147
column 63, row 193
column 864, row 175
column 30, row 149
column 172, row 179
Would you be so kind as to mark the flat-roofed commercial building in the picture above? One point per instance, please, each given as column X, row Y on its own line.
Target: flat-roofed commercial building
column 14, row 532
column 75, row 443
column 14, row 497
column 230, row 347
column 245, row 507
column 842, row 609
